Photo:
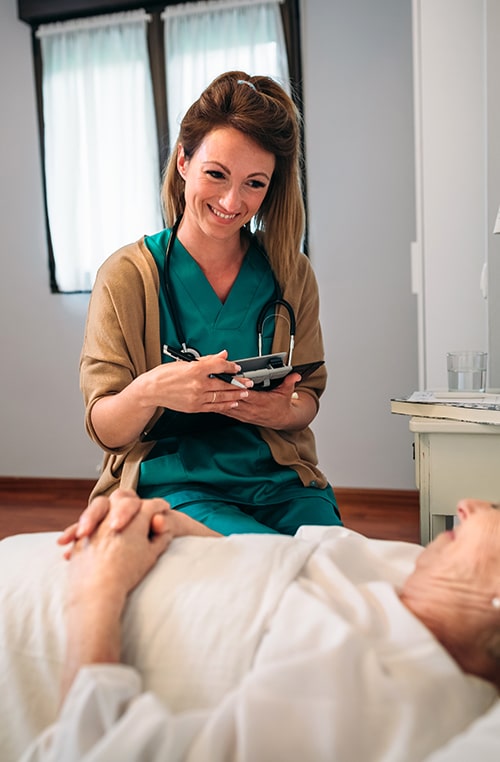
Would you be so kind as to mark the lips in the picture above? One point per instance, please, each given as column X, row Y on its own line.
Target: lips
column 221, row 215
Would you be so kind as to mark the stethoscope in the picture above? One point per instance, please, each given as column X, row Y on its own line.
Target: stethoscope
column 190, row 353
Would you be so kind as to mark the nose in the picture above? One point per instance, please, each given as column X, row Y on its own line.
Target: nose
column 230, row 201
column 467, row 507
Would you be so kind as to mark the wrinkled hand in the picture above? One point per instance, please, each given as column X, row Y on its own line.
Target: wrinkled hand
column 120, row 508
column 112, row 563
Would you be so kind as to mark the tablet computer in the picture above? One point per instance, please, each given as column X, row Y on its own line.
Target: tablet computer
column 268, row 371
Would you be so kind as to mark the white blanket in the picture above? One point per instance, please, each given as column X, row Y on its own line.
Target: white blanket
column 213, row 610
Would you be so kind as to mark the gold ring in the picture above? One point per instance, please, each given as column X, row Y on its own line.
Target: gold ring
column 214, row 398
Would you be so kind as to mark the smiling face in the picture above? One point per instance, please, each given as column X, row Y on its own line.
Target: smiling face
column 226, row 181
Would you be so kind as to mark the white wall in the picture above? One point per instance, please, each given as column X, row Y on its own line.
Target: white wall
column 493, row 187
column 358, row 87
column 451, row 166
column 41, row 413
column 359, row 134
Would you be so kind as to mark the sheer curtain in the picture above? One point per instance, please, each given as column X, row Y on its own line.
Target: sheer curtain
column 101, row 153
column 205, row 39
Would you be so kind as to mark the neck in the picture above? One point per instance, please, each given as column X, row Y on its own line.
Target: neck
column 458, row 622
column 219, row 259
column 212, row 252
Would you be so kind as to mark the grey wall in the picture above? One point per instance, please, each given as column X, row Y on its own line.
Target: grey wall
column 358, row 86
column 360, row 161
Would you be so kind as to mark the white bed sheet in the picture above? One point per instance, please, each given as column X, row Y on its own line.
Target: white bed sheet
column 181, row 621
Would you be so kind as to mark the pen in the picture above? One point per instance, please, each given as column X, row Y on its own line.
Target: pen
column 227, row 377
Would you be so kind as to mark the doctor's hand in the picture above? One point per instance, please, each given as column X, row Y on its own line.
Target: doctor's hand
column 189, row 387
column 283, row 408
column 193, row 387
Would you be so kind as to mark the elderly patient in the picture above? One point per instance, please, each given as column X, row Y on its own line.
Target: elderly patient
column 359, row 669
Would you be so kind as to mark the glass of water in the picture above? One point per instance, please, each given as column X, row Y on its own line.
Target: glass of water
column 467, row 371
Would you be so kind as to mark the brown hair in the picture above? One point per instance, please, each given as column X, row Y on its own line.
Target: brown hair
column 260, row 108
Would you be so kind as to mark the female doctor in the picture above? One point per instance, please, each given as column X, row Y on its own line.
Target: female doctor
column 171, row 314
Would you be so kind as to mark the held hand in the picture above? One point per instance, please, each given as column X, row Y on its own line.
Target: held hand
column 110, row 563
column 120, row 508
column 106, row 566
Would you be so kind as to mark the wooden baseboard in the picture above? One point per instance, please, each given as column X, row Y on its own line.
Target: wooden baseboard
column 402, row 499
column 33, row 486
column 38, row 504
column 381, row 513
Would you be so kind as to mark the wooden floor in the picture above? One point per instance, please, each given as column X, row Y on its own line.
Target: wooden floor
column 46, row 505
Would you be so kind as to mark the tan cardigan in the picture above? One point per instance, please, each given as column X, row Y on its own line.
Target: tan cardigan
column 122, row 340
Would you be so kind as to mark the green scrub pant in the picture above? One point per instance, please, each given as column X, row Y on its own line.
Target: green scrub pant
column 279, row 518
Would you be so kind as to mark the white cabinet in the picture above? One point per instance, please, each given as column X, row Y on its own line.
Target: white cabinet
column 453, row 460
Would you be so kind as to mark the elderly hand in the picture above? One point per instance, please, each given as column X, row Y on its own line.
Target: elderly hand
column 112, row 563
column 120, row 509
column 103, row 569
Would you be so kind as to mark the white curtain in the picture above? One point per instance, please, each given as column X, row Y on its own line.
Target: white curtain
column 101, row 154
column 205, row 39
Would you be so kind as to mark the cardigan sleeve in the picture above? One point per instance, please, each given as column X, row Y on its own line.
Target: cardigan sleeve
column 122, row 338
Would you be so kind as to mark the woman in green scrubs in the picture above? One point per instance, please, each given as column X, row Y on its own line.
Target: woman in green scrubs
column 232, row 196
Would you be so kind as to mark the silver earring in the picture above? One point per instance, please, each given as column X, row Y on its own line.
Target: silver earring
column 495, row 602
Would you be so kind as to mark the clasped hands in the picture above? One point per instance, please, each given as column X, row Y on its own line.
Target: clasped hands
column 119, row 538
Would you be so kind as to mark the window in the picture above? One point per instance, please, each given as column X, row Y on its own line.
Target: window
column 113, row 91
column 101, row 155
column 208, row 38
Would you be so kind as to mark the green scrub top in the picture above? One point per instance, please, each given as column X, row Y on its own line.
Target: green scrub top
column 231, row 464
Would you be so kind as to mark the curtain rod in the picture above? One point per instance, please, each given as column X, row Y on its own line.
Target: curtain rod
column 92, row 22
column 188, row 9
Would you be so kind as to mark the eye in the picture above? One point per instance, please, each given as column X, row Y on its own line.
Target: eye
column 215, row 173
column 257, row 184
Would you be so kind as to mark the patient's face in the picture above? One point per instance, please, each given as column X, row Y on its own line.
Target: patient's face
column 466, row 558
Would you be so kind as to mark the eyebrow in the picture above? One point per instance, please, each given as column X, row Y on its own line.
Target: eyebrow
column 227, row 170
